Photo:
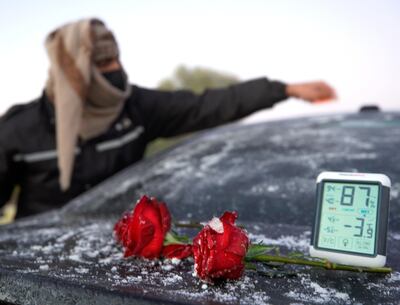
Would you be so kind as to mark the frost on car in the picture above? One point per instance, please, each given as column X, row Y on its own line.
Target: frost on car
column 266, row 172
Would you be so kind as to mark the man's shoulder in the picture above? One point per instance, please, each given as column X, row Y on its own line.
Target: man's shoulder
column 20, row 111
column 20, row 119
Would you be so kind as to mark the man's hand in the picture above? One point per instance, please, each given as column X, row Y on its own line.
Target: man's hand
column 313, row 92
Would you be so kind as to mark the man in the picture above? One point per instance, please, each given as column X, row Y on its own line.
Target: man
column 90, row 123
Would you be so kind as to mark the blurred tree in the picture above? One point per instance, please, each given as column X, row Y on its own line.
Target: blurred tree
column 197, row 80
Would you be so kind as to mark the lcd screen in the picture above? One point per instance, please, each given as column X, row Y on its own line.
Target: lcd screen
column 348, row 218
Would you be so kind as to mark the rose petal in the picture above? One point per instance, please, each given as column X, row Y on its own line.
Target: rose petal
column 239, row 242
column 145, row 237
column 220, row 255
column 142, row 232
column 165, row 217
column 229, row 217
column 177, row 251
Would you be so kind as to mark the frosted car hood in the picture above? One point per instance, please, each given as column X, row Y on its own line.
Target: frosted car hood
column 266, row 172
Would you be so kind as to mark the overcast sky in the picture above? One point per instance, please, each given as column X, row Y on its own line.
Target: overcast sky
column 354, row 45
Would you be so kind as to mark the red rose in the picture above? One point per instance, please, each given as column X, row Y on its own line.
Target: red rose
column 177, row 251
column 219, row 249
column 142, row 231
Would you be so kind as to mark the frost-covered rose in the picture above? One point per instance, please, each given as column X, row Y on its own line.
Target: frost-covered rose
column 219, row 249
column 142, row 231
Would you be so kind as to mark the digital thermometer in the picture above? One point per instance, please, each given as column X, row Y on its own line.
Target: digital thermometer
column 351, row 218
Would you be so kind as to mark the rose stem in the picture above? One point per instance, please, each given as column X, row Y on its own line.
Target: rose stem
column 324, row 264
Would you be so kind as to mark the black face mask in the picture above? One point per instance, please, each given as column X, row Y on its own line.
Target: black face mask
column 116, row 78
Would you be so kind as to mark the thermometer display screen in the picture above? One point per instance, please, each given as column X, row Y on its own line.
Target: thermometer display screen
column 348, row 219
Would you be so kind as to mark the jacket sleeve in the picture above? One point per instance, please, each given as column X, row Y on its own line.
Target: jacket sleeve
column 171, row 113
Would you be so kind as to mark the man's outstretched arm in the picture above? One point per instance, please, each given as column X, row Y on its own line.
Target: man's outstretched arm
column 171, row 113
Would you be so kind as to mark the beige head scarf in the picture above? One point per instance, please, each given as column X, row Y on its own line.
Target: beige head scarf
column 85, row 102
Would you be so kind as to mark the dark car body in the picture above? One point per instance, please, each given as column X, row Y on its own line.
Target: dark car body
column 266, row 172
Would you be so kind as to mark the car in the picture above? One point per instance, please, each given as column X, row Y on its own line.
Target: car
column 266, row 172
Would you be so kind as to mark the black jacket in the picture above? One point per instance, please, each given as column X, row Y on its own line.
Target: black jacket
column 28, row 155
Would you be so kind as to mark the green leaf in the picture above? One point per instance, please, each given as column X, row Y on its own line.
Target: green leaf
column 258, row 249
column 172, row 238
